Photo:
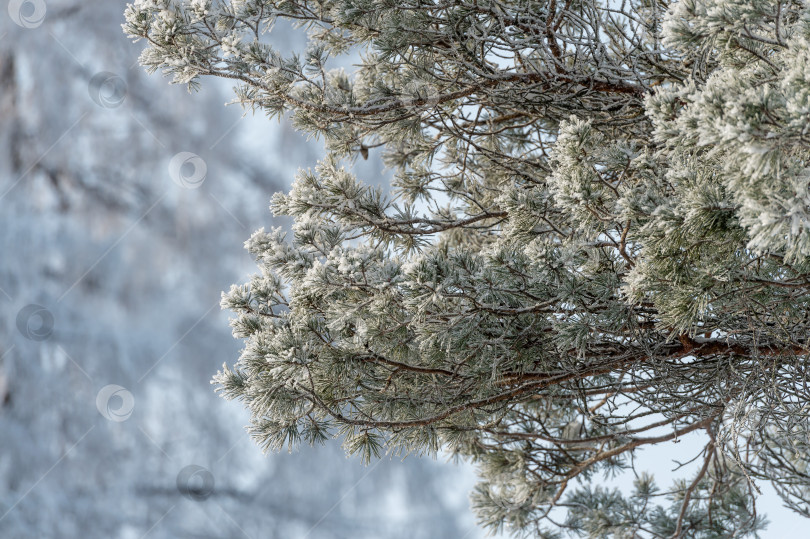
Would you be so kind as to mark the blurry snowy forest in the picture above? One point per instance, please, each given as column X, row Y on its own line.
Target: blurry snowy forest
column 128, row 266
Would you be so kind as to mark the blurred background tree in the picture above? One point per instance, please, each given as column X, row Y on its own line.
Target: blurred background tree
column 129, row 266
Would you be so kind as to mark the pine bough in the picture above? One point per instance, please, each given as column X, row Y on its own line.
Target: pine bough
column 596, row 240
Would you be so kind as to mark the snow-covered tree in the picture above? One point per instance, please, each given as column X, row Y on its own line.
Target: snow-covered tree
column 597, row 241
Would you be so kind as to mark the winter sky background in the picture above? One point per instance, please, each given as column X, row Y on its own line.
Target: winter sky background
column 124, row 204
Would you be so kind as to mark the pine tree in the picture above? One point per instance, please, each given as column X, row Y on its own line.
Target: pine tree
column 596, row 240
